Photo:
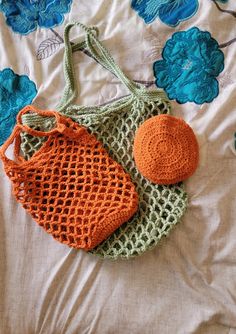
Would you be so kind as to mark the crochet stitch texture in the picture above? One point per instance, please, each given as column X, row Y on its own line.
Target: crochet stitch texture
column 71, row 187
column 166, row 150
column 115, row 124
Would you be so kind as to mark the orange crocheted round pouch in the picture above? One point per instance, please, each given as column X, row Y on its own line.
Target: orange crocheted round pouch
column 165, row 150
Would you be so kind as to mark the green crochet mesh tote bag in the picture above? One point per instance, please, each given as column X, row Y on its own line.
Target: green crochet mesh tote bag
column 160, row 207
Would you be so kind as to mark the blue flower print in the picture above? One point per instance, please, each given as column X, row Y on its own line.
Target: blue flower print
column 23, row 16
column 171, row 12
column 191, row 62
column 16, row 91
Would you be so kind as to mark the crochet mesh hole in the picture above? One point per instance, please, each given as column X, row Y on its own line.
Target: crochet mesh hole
column 71, row 229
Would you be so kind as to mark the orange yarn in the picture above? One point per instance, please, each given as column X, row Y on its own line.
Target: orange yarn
column 71, row 187
column 166, row 150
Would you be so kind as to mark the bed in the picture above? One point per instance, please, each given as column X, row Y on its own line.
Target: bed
column 187, row 283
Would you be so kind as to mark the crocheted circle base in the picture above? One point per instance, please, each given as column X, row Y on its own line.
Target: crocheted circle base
column 165, row 150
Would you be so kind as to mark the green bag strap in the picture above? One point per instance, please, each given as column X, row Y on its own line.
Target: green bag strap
column 101, row 55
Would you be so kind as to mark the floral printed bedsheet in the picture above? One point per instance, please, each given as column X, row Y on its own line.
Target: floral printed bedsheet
column 185, row 285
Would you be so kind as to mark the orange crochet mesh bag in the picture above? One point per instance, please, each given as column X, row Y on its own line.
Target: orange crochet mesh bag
column 166, row 149
column 71, row 187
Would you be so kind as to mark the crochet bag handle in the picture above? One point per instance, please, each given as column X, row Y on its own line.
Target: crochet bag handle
column 25, row 128
column 99, row 53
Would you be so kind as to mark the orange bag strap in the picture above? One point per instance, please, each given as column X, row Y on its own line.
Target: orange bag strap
column 60, row 127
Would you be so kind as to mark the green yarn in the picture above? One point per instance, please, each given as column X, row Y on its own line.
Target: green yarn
column 115, row 124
